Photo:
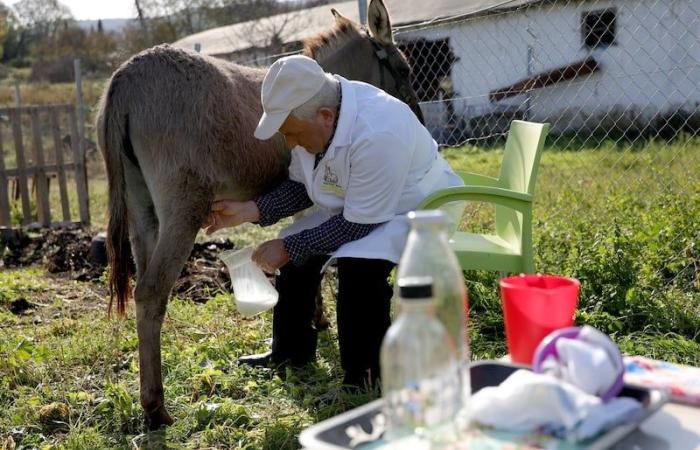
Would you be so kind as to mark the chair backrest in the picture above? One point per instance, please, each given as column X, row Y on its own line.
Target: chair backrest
column 519, row 173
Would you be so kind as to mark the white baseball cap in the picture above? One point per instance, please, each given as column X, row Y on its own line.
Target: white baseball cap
column 290, row 82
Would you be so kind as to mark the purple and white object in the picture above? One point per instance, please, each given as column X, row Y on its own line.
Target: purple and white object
column 584, row 357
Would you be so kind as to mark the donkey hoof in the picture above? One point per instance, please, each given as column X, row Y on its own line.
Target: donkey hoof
column 158, row 418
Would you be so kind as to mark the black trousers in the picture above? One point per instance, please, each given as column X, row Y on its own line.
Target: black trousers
column 364, row 301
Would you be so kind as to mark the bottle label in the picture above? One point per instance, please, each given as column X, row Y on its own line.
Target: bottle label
column 425, row 403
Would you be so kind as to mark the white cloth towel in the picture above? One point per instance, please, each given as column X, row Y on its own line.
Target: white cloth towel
column 527, row 401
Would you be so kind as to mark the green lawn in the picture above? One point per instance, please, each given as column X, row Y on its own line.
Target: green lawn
column 622, row 220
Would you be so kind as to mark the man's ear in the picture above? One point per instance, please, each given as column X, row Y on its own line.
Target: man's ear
column 327, row 114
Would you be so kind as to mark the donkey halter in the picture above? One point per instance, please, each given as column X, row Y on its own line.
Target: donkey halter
column 383, row 58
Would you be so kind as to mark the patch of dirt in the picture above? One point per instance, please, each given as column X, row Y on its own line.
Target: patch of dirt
column 60, row 251
column 74, row 255
column 19, row 249
column 204, row 274
column 68, row 253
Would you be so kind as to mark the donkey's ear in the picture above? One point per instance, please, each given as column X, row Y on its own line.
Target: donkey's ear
column 340, row 20
column 378, row 21
column 338, row 17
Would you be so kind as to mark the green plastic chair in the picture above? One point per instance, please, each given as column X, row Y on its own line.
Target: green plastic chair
column 510, row 249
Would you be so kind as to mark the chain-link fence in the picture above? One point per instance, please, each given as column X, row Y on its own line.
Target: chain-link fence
column 591, row 68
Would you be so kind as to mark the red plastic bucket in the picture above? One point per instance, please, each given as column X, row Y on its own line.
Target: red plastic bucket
column 533, row 307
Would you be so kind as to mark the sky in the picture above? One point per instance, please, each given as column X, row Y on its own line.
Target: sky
column 98, row 9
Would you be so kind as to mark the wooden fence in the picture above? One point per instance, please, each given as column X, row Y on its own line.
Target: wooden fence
column 55, row 127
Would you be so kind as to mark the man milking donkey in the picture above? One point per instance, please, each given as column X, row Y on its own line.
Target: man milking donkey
column 176, row 129
column 360, row 160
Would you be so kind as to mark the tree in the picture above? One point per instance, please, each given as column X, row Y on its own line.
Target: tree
column 162, row 21
column 18, row 40
column 43, row 17
column 53, row 56
column 272, row 33
column 182, row 17
column 6, row 19
column 234, row 11
column 185, row 17
column 142, row 20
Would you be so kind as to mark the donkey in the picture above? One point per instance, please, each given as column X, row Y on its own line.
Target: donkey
column 176, row 132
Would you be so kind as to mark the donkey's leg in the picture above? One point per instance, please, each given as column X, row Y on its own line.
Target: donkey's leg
column 143, row 223
column 181, row 210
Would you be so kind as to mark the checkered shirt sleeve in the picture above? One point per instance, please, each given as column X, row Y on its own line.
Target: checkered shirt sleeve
column 325, row 238
column 285, row 200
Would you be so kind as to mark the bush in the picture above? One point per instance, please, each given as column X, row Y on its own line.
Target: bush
column 59, row 70
column 671, row 125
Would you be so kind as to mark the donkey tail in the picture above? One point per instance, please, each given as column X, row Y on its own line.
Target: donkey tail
column 112, row 128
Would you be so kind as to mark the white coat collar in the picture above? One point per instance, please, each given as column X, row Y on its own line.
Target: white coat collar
column 348, row 114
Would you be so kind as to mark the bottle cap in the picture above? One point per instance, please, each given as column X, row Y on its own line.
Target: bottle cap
column 416, row 288
column 428, row 216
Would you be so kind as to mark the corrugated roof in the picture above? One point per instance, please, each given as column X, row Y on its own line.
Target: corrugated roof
column 406, row 12
column 298, row 25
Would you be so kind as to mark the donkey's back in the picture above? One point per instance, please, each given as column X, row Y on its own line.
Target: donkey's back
column 184, row 112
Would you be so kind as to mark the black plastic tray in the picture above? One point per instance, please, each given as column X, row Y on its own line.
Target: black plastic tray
column 331, row 433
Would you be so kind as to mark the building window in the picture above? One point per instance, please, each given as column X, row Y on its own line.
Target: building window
column 598, row 28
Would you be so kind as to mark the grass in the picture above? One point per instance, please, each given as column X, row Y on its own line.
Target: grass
column 50, row 93
column 623, row 220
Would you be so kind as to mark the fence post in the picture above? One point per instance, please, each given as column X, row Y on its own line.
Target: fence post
column 43, row 207
column 5, row 219
column 18, row 95
column 80, row 169
column 528, row 95
column 16, row 118
column 58, row 153
column 362, row 5
column 80, row 178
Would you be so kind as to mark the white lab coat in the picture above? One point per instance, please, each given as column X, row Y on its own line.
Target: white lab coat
column 379, row 166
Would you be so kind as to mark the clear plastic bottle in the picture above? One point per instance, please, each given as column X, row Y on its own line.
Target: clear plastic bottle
column 420, row 370
column 428, row 253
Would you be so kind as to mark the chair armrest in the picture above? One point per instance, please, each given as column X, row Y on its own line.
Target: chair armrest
column 518, row 201
column 476, row 179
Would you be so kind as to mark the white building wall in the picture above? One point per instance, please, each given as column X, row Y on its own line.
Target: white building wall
column 652, row 68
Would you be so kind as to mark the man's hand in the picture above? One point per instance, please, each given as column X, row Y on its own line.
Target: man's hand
column 271, row 255
column 227, row 213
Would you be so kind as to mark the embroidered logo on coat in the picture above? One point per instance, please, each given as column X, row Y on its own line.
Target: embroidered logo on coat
column 329, row 177
column 330, row 181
